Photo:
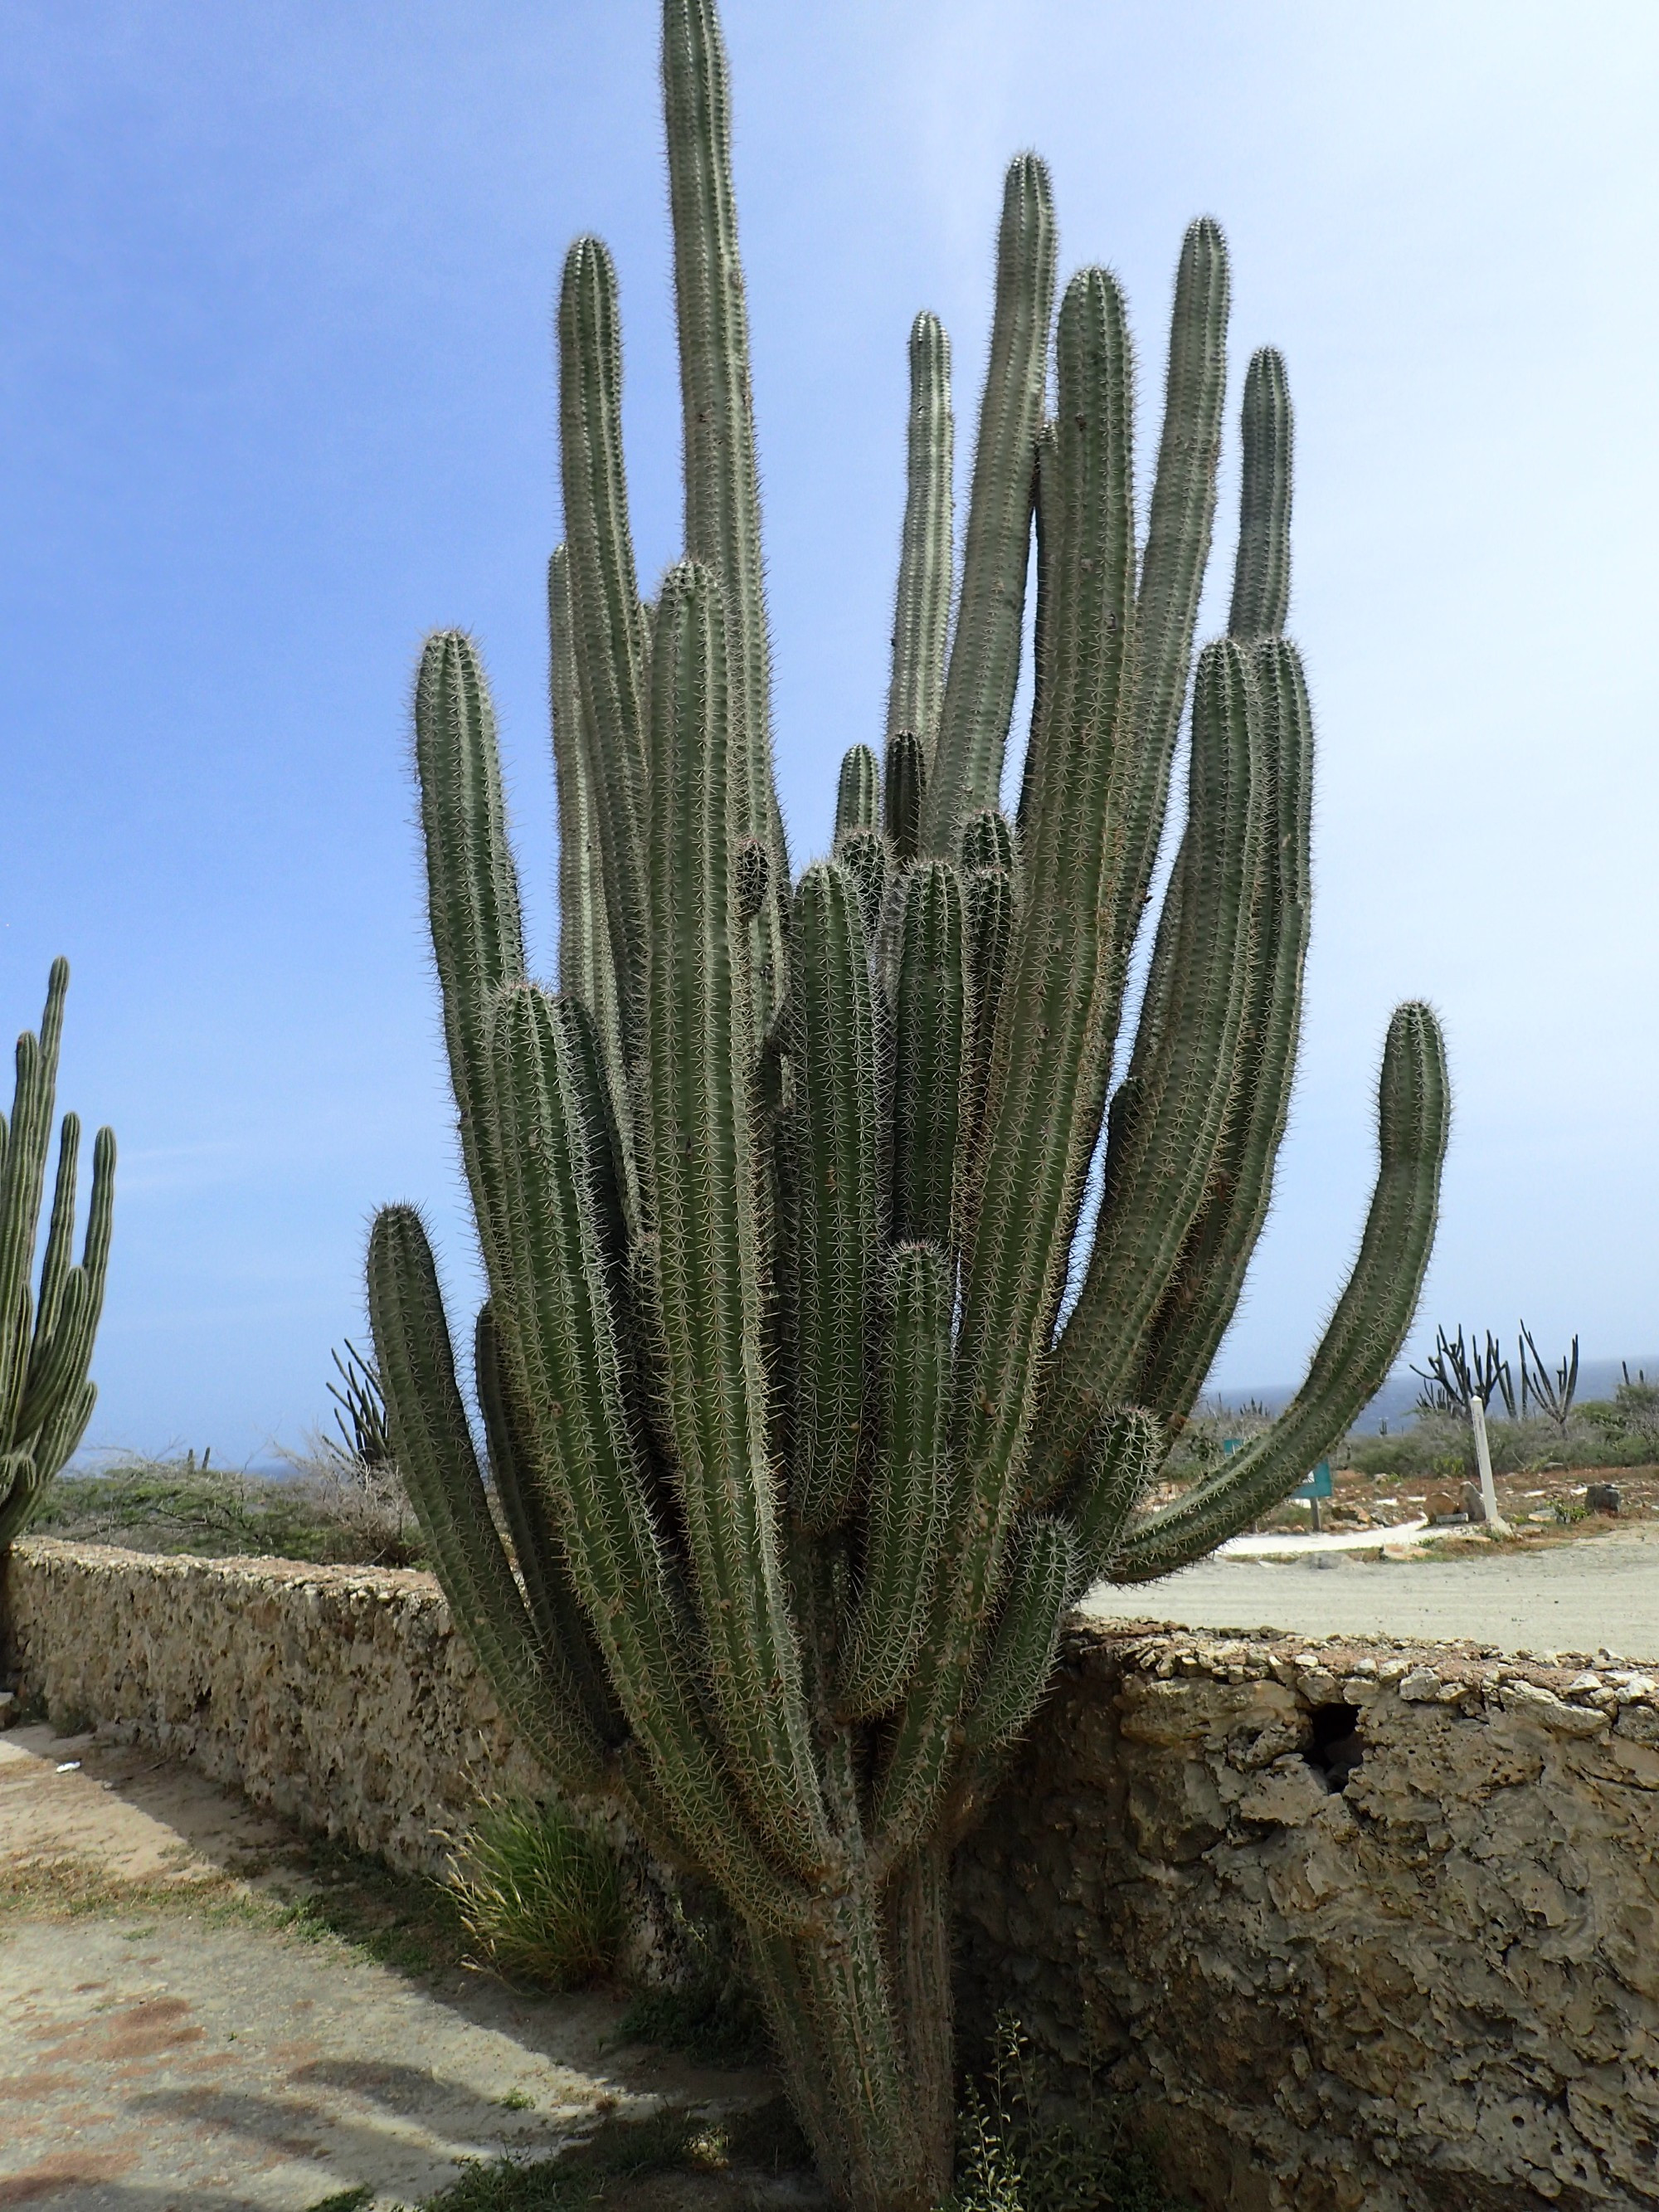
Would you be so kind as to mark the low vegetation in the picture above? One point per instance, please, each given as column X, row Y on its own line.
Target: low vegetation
column 540, row 1894
column 326, row 1509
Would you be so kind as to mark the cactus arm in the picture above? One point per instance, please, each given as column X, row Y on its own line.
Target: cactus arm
column 906, row 1509
column 1047, row 505
column 62, row 1353
column 1202, row 1298
column 58, row 1366
column 836, row 1179
column 1181, row 1070
column 722, row 498
column 704, row 1170
column 586, row 967
column 1177, row 548
column 867, row 858
column 1262, row 573
column 472, row 889
column 538, row 1548
column 921, row 616
column 439, row 1467
column 1123, row 1460
column 1036, row 1144
column 966, row 769
column 1041, row 1581
column 557, row 1325
column 990, row 904
column 930, row 1037
column 1365, row 1333
column 858, row 792
column 607, row 629
column 987, row 841
column 904, row 789
column 60, row 1233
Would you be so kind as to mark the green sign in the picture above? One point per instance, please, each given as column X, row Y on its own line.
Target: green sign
column 1318, row 1484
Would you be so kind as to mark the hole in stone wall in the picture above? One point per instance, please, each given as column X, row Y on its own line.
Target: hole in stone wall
column 1336, row 1749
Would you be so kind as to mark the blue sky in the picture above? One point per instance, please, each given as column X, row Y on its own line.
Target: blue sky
column 277, row 395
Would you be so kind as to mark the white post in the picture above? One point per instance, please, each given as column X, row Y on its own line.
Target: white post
column 1483, row 1457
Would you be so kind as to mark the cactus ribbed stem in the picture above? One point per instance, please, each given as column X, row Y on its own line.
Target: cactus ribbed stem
column 858, row 792
column 588, row 970
column 434, row 1444
column 1041, row 1579
column 930, row 1037
column 867, row 858
column 1035, row 1148
column 1204, row 1293
column 1124, row 1459
column 537, row 1543
column 722, row 489
column 606, row 628
column 838, row 1168
column 472, row 888
column 906, row 1509
column 903, row 792
column 921, row 617
column 1197, row 994
column 1261, row 574
column 703, row 1178
column 1177, row 548
column 984, row 666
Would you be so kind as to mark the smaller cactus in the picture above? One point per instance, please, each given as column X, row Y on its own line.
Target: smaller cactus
column 45, row 1336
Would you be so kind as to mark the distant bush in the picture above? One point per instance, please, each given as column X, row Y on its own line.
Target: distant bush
column 1605, row 1432
column 326, row 1511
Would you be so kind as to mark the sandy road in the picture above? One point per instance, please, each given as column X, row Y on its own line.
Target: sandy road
column 1601, row 1593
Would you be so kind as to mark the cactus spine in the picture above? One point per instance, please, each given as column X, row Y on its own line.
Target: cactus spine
column 801, row 1462
column 46, row 1336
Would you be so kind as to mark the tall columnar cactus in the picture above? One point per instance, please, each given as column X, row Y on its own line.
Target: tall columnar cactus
column 803, row 1452
column 46, row 1331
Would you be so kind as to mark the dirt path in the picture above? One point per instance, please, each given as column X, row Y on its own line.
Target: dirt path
column 173, row 2047
column 1598, row 1593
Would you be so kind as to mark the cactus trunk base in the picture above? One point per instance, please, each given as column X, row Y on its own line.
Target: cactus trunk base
column 860, row 2016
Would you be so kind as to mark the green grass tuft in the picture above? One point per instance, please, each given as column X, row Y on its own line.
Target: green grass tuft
column 541, row 1896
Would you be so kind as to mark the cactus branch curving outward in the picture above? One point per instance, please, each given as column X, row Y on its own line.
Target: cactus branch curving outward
column 799, row 1457
column 46, row 1340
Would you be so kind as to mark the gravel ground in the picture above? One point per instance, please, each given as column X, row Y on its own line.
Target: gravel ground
column 1600, row 1593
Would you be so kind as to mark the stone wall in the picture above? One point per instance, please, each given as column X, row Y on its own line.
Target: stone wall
column 339, row 1696
column 1358, row 1925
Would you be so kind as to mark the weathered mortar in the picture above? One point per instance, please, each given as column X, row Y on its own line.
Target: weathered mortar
column 1437, row 1986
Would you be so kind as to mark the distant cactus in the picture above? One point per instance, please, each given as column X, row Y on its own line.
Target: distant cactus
column 46, row 1331
column 802, row 1457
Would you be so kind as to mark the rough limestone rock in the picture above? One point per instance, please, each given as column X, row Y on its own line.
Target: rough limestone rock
column 1360, row 1927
